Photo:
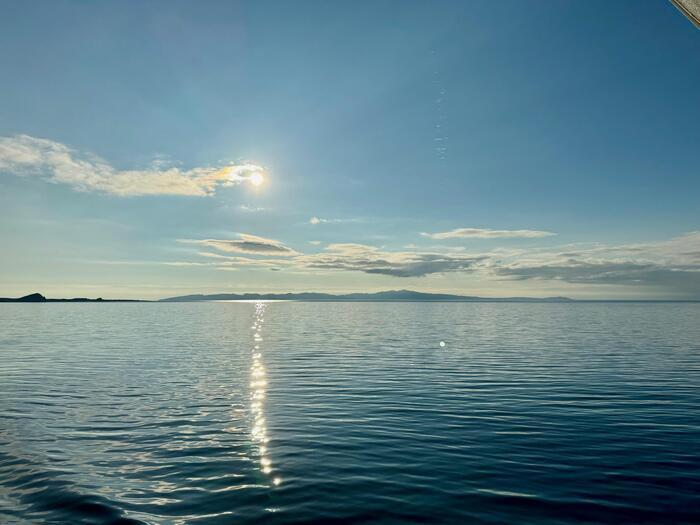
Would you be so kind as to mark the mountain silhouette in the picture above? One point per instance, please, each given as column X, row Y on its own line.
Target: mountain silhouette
column 388, row 296
column 32, row 298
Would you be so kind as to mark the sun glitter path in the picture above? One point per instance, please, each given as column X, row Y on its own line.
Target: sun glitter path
column 258, row 392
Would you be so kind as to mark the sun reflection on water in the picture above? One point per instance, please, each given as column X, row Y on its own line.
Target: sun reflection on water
column 258, row 392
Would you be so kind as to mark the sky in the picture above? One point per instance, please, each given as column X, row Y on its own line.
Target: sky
column 151, row 149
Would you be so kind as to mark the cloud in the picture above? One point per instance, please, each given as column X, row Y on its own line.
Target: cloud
column 338, row 256
column 670, row 268
column 484, row 233
column 576, row 271
column 227, row 262
column 319, row 220
column 582, row 271
column 246, row 244
column 251, row 209
column 186, row 263
column 23, row 155
column 371, row 260
column 672, row 265
column 315, row 243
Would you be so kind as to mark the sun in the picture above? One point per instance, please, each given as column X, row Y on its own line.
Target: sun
column 256, row 179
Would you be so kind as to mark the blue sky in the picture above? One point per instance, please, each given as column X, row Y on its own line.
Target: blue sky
column 491, row 148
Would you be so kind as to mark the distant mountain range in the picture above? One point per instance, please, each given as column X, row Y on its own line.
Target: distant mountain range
column 388, row 296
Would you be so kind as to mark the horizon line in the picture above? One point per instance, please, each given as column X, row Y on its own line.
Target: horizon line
column 342, row 297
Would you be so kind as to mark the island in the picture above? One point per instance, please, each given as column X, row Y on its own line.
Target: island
column 39, row 298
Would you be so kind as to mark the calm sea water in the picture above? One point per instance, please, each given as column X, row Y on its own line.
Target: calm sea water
column 225, row 413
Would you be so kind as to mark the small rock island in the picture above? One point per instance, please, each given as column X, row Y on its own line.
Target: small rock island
column 39, row 298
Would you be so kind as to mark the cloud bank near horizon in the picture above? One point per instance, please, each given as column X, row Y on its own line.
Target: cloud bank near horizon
column 672, row 264
column 23, row 155
column 372, row 260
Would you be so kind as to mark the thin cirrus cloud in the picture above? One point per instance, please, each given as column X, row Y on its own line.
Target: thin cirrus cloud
column 251, row 244
column 316, row 220
column 236, row 262
column 23, row 155
column 485, row 233
column 251, row 209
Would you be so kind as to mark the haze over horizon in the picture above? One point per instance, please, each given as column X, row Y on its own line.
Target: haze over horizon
column 466, row 148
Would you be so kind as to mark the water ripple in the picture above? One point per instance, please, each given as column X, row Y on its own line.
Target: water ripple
column 333, row 413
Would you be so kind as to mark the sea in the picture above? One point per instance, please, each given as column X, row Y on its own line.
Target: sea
column 337, row 413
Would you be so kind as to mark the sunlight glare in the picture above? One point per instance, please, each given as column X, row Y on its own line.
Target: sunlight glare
column 256, row 179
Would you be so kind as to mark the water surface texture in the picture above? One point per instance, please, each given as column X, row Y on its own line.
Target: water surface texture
column 226, row 413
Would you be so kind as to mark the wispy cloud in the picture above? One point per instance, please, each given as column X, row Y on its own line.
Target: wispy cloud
column 315, row 220
column 685, row 280
column 673, row 265
column 23, row 155
column 485, row 233
column 371, row 260
column 334, row 257
column 251, row 209
column 246, row 244
column 228, row 262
